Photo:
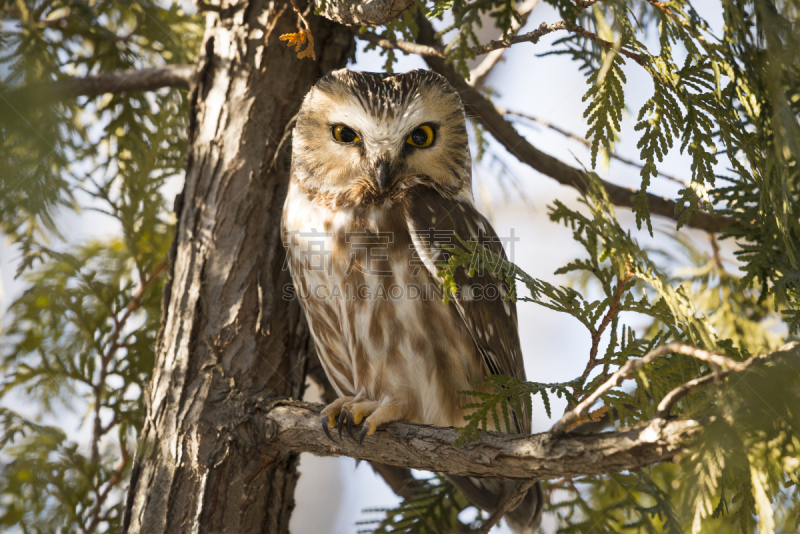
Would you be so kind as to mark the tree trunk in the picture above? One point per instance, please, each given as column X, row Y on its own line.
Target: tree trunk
column 227, row 333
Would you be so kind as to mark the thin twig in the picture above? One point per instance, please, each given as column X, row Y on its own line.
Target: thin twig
column 112, row 346
column 405, row 46
column 584, row 142
column 672, row 398
column 479, row 73
column 682, row 23
column 631, row 366
column 532, row 37
column 597, row 334
column 544, row 29
column 100, row 497
column 715, row 250
column 612, row 312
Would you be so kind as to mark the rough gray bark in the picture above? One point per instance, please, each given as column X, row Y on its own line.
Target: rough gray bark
column 227, row 333
column 295, row 427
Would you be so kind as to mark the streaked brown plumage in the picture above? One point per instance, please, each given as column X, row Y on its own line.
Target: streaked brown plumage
column 369, row 209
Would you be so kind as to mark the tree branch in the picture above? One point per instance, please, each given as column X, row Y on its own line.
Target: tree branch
column 478, row 75
column 288, row 426
column 405, row 46
column 672, row 398
column 597, row 334
column 484, row 112
column 633, row 365
column 583, row 141
column 292, row 426
column 176, row 76
column 436, row 50
column 544, row 29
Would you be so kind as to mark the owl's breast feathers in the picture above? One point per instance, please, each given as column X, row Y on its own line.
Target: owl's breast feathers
column 366, row 274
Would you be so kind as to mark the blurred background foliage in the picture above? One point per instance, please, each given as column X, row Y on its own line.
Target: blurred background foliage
column 79, row 342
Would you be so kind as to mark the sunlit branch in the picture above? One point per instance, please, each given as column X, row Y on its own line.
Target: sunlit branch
column 631, row 366
column 544, row 29
column 405, row 46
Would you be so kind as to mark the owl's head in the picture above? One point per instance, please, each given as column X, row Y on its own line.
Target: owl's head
column 368, row 134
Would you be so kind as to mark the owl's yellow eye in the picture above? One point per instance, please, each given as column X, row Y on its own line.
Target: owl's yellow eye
column 343, row 134
column 422, row 137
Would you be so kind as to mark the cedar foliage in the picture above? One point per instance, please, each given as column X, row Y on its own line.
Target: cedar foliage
column 80, row 339
column 77, row 346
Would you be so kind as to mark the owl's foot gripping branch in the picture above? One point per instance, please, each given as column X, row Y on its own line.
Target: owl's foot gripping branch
column 354, row 411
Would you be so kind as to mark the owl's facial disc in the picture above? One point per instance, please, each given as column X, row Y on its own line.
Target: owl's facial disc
column 375, row 132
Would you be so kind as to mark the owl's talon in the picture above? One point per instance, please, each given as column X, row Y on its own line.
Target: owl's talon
column 341, row 420
column 364, row 432
column 325, row 428
column 350, row 425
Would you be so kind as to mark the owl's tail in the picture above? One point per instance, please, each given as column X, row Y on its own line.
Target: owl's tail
column 488, row 494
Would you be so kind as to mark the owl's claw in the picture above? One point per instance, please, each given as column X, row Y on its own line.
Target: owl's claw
column 342, row 415
column 350, row 425
column 325, row 428
column 347, row 409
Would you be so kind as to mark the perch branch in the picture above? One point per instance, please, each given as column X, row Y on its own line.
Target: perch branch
column 293, row 426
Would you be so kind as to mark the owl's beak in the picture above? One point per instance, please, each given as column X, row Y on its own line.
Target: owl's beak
column 383, row 175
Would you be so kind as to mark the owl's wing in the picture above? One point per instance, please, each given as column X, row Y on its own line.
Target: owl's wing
column 434, row 222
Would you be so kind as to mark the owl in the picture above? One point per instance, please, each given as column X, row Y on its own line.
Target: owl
column 381, row 187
